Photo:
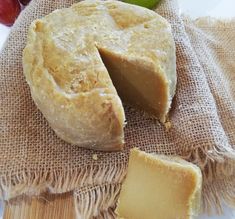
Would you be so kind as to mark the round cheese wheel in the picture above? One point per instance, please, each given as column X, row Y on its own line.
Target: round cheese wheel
column 80, row 62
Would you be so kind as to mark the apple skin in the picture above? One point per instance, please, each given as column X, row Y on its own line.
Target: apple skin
column 24, row 2
column 144, row 3
column 9, row 11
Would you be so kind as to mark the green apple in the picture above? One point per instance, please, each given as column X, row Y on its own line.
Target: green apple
column 144, row 3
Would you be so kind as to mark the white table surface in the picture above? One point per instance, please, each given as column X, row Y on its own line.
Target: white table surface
column 194, row 8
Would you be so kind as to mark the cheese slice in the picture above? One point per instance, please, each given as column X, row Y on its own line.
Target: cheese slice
column 159, row 187
column 81, row 61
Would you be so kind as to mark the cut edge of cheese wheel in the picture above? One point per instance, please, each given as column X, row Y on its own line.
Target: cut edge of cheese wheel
column 159, row 186
column 140, row 83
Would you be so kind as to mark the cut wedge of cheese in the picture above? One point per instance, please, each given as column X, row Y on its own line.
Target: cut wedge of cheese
column 159, row 187
column 76, row 58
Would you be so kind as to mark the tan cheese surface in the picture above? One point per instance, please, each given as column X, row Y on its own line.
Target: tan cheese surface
column 76, row 58
column 159, row 187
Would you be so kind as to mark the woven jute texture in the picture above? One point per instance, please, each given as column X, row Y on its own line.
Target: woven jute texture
column 34, row 160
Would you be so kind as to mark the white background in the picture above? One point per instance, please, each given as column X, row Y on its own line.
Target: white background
column 194, row 8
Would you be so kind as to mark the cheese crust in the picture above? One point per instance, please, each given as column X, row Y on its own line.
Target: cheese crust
column 76, row 59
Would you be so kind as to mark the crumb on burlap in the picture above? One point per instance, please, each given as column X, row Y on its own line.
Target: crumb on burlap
column 168, row 125
column 94, row 156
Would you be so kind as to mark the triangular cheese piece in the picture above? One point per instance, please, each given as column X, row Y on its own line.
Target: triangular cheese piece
column 159, row 187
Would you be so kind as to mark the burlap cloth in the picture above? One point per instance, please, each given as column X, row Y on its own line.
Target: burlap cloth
column 34, row 160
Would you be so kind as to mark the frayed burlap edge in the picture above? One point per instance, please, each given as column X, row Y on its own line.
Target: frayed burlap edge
column 97, row 202
column 96, row 188
column 100, row 201
column 219, row 192
column 38, row 181
column 216, row 194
